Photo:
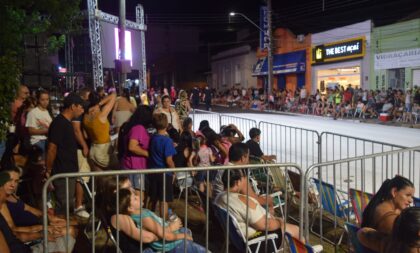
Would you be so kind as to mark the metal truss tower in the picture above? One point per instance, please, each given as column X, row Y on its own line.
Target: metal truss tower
column 69, row 62
column 95, row 16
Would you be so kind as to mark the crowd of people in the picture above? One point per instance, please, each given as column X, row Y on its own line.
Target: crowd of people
column 151, row 134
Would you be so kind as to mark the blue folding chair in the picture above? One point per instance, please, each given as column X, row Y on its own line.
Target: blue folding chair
column 236, row 236
column 332, row 204
column 297, row 246
column 416, row 201
column 357, row 246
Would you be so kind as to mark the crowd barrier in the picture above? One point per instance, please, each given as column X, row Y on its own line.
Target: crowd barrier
column 290, row 144
column 212, row 117
column 364, row 174
column 272, row 169
column 243, row 124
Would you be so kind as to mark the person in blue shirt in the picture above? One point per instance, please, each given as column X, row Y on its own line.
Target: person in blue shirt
column 161, row 151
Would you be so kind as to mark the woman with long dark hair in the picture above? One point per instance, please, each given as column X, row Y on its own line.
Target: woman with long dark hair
column 405, row 237
column 133, row 144
column 394, row 196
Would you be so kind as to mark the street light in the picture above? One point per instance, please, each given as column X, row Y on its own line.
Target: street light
column 269, row 50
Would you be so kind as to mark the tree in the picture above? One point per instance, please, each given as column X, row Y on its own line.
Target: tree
column 20, row 18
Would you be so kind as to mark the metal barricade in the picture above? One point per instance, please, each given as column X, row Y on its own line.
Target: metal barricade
column 335, row 147
column 212, row 117
column 363, row 173
column 243, row 124
column 94, row 176
column 290, row 144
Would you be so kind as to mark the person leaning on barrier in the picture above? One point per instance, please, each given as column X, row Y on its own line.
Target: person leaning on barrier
column 25, row 221
column 392, row 198
column 405, row 237
column 254, row 145
column 248, row 210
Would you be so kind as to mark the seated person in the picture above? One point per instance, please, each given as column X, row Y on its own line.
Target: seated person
column 174, row 235
column 386, row 205
column 405, row 236
column 238, row 205
column 387, row 107
column 29, row 228
column 254, row 145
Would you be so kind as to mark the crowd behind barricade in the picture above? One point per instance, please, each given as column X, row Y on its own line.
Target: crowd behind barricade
column 151, row 134
column 339, row 102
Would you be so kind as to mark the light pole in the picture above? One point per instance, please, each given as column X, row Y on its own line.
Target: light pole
column 269, row 49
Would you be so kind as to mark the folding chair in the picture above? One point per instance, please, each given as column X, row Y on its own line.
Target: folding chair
column 416, row 201
column 357, row 246
column 359, row 201
column 331, row 204
column 236, row 236
column 296, row 246
column 184, row 181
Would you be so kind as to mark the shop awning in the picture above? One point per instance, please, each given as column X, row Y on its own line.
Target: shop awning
column 294, row 62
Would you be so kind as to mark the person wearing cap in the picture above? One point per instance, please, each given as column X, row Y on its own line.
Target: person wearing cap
column 62, row 150
column 254, row 145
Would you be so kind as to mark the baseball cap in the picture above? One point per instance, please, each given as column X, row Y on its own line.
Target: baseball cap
column 72, row 99
column 4, row 177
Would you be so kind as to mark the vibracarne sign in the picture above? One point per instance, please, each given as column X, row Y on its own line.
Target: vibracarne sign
column 338, row 51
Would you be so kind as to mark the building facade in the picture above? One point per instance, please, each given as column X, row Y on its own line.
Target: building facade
column 233, row 68
column 341, row 57
column 395, row 58
column 291, row 61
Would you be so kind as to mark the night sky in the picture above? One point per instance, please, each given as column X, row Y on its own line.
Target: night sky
column 301, row 16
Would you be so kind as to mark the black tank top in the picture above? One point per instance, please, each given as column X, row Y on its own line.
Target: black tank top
column 14, row 244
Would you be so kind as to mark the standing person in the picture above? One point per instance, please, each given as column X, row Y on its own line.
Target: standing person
column 97, row 127
column 22, row 95
column 144, row 98
column 171, row 114
column 182, row 105
column 133, row 144
column 173, row 94
column 62, row 151
column 195, row 97
column 123, row 109
column 161, row 152
column 82, row 154
column 207, row 98
column 38, row 120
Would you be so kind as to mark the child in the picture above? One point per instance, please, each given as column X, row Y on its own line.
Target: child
column 174, row 235
column 205, row 159
column 161, row 151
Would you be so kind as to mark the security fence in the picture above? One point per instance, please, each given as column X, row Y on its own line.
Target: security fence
column 276, row 178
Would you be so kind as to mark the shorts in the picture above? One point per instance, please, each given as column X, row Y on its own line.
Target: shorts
column 58, row 246
column 102, row 154
column 83, row 164
column 155, row 189
column 137, row 181
column 408, row 108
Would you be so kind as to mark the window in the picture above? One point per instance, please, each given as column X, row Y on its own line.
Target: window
column 396, row 78
column 238, row 73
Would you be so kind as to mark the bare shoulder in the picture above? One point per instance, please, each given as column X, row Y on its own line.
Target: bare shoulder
column 250, row 201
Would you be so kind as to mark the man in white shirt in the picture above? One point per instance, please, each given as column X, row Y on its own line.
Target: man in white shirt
column 38, row 120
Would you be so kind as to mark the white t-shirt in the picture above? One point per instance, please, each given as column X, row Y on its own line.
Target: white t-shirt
column 238, row 209
column 34, row 119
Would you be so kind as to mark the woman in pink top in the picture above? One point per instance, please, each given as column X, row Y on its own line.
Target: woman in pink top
column 133, row 144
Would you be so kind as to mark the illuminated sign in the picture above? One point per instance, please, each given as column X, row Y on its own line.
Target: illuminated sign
column 337, row 51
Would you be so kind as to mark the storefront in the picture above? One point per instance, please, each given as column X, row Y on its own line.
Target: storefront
column 339, row 57
column 396, row 56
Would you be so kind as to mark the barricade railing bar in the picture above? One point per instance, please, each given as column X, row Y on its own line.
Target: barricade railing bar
column 365, row 173
column 290, row 144
column 212, row 117
column 243, row 124
column 94, row 176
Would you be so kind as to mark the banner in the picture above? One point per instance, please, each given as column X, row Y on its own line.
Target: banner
column 398, row 59
column 264, row 39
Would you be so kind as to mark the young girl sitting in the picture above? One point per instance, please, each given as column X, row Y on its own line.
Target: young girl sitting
column 173, row 233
